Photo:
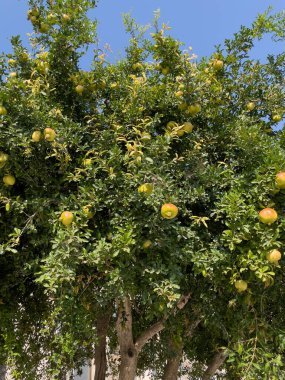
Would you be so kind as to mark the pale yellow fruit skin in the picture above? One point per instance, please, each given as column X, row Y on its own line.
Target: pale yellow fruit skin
column 36, row 136
column 218, row 64
column 147, row 244
column 66, row 218
column 3, row 111
column 9, row 180
column 268, row 215
column 3, row 159
column 86, row 210
column 188, row 127
column 250, row 106
column 169, row 211
column 276, row 118
column 274, row 256
column 146, row 188
column 280, row 180
column 79, row 89
column 241, row 285
column 49, row 134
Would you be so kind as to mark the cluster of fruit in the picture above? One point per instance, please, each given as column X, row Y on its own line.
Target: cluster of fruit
column 267, row 216
column 49, row 135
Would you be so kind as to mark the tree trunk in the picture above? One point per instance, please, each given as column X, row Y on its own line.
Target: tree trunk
column 100, row 346
column 215, row 363
column 172, row 366
column 3, row 371
column 128, row 365
column 173, row 363
column 130, row 349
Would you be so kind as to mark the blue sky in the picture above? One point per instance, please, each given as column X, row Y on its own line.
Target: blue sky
column 198, row 23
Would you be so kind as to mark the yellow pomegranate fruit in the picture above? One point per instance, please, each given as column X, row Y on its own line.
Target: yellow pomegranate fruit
column 268, row 215
column 147, row 244
column 3, row 111
column 169, row 211
column 3, row 159
column 87, row 211
column 9, row 180
column 66, row 218
column 274, row 256
column 36, row 136
column 280, row 180
column 79, row 89
column 194, row 109
column 276, row 117
column 241, row 285
column 218, row 64
column 250, row 106
column 188, row 127
column 146, row 188
column 49, row 134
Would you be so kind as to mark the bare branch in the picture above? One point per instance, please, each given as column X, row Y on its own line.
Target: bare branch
column 215, row 363
column 158, row 326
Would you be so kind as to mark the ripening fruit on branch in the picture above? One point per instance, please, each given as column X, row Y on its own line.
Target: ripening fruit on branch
column 194, row 109
column 87, row 211
column 3, row 111
column 9, row 180
column 182, row 106
column 147, row 244
column 250, row 106
column 273, row 256
column 87, row 162
column 218, row 64
column 180, row 132
column 52, row 19
column 169, row 211
column 49, row 134
column 36, row 136
column 268, row 215
column 3, row 159
column 66, row 218
column 44, row 28
column 79, row 89
column 276, row 117
column 188, row 127
column 179, row 94
column 146, row 188
column 280, row 180
column 65, row 17
column 165, row 70
column 241, row 285
column 171, row 124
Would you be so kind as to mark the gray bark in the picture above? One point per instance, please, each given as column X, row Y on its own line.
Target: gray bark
column 214, row 365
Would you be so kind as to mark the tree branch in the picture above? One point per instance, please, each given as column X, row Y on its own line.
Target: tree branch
column 214, row 364
column 158, row 326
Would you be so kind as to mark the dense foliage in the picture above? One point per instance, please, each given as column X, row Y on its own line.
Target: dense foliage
column 82, row 233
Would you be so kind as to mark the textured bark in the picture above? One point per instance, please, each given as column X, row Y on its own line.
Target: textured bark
column 173, row 363
column 128, row 352
column 213, row 366
column 100, row 346
column 130, row 349
column 3, row 371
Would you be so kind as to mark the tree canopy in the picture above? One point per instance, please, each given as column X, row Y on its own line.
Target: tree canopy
column 142, row 203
